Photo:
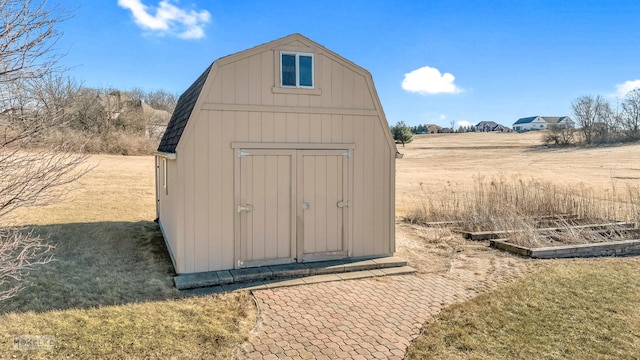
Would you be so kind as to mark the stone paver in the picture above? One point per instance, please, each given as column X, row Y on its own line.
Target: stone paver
column 374, row 318
column 371, row 318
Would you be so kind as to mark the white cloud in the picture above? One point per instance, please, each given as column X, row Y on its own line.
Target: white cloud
column 168, row 18
column 464, row 123
column 442, row 116
column 625, row 87
column 428, row 80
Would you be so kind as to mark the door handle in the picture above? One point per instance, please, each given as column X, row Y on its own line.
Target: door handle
column 343, row 204
column 244, row 208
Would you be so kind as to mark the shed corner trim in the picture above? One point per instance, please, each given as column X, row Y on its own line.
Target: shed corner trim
column 166, row 155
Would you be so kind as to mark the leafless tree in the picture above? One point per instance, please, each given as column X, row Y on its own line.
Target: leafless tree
column 88, row 113
column 559, row 136
column 28, row 32
column 158, row 99
column 594, row 116
column 31, row 174
column 631, row 114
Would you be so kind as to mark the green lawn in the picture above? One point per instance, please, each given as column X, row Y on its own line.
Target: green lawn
column 581, row 309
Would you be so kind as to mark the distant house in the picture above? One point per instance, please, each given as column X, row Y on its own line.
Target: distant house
column 542, row 123
column 491, row 126
column 502, row 128
column 486, row 126
column 561, row 121
column 116, row 103
column 433, row 128
column 445, row 130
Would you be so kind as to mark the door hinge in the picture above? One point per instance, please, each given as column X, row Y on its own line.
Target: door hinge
column 343, row 204
column 242, row 153
column 347, row 154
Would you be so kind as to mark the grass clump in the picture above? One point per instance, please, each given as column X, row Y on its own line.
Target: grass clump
column 571, row 310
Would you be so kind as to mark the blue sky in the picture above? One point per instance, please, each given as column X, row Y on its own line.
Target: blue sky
column 431, row 61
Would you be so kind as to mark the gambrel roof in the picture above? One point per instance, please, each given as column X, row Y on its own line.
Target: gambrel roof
column 187, row 101
column 181, row 114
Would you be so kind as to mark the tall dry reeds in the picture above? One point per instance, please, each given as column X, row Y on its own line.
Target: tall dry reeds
column 513, row 203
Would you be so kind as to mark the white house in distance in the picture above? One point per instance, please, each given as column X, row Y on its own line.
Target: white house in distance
column 542, row 123
column 277, row 154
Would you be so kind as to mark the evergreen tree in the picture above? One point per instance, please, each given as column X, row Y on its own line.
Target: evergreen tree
column 401, row 133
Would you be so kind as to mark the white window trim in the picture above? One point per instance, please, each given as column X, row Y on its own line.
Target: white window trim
column 313, row 70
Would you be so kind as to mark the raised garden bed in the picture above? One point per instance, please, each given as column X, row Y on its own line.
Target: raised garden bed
column 612, row 248
column 614, row 238
column 601, row 227
column 559, row 236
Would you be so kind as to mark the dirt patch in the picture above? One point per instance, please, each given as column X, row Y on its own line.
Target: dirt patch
column 442, row 251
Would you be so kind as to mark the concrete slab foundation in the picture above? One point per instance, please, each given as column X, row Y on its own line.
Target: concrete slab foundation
column 290, row 274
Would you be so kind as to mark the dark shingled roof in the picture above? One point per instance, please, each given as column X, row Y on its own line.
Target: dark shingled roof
column 487, row 123
column 525, row 120
column 181, row 114
column 548, row 119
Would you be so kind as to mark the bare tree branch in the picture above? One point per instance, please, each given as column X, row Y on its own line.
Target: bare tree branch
column 20, row 251
column 36, row 178
column 33, row 99
column 27, row 35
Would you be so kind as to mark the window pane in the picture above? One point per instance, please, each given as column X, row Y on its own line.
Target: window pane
column 306, row 70
column 288, row 70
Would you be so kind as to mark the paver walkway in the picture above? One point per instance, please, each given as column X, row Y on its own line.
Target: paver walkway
column 374, row 318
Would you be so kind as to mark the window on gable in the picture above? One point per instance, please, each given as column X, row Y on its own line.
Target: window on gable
column 296, row 70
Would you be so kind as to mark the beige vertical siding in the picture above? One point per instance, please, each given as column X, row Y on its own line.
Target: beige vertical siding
column 239, row 104
column 167, row 204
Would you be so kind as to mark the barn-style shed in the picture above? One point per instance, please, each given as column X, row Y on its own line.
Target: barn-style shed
column 277, row 154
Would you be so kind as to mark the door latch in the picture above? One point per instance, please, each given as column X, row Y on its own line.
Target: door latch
column 343, row 204
column 245, row 208
column 306, row 206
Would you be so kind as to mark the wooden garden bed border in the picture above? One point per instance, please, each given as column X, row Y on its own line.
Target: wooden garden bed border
column 489, row 235
column 612, row 248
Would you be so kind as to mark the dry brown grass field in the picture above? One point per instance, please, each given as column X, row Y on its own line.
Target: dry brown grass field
column 452, row 161
column 118, row 188
column 109, row 291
